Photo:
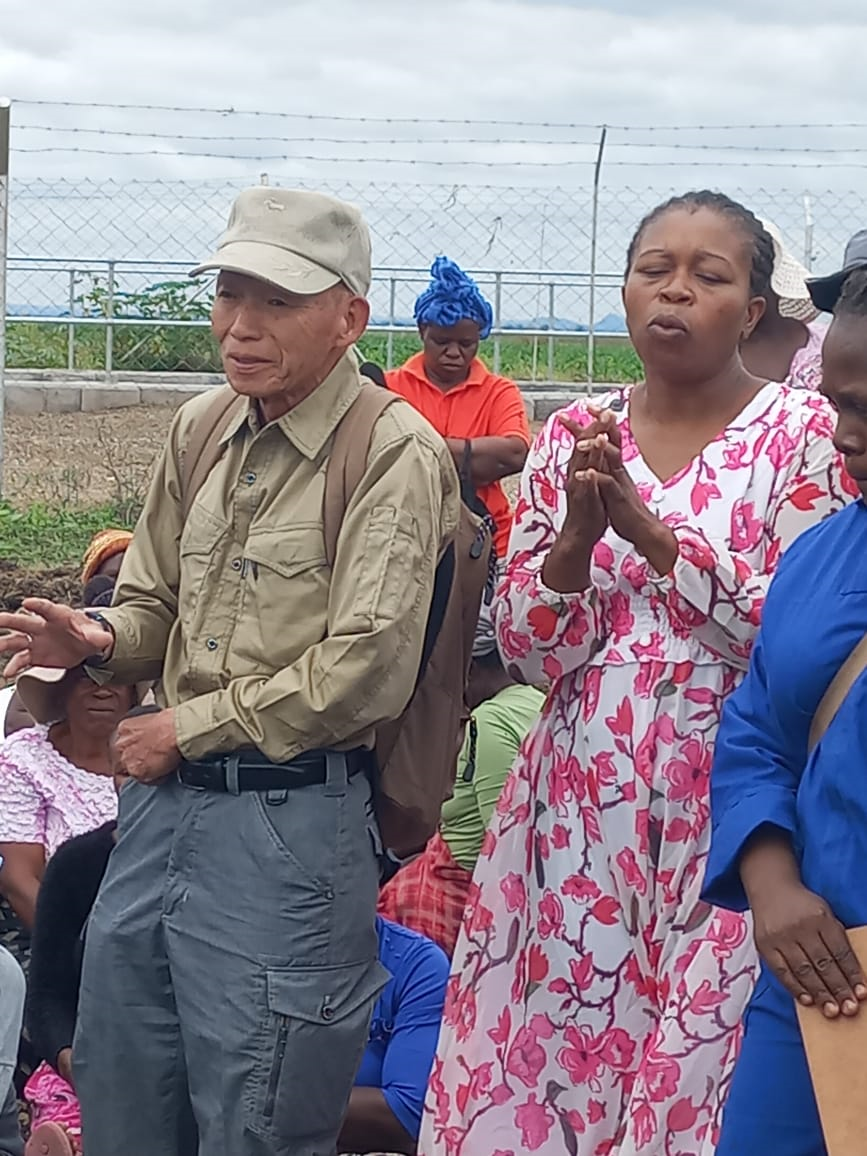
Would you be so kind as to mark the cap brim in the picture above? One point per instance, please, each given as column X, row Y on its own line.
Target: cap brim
column 825, row 291
column 798, row 308
column 39, row 689
column 272, row 264
column 789, row 282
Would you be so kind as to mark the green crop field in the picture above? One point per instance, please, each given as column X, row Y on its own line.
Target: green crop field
column 69, row 474
column 172, row 349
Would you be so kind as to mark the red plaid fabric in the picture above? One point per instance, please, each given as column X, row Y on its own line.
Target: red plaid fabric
column 429, row 894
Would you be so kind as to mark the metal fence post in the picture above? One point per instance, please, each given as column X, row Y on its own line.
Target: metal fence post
column 5, row 117
column 109, row 328
column 389, row 341
column 551, row 319
column 808, row 232
column 594, row 237
column 70, row 329
column 498, row 317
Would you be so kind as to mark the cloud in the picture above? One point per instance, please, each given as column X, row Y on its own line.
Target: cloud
column 623, row 63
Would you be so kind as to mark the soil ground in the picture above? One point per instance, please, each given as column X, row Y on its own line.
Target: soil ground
column 75, row 461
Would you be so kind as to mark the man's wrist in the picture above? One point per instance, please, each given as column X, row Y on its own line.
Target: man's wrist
column 105, row 654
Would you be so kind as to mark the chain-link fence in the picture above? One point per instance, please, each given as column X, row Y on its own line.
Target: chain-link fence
column 97, row 268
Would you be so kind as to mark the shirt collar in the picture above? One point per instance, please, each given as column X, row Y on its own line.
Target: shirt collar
column 478, row 373
column 312, row 422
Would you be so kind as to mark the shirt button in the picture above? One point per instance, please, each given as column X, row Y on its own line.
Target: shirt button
column 328, row 1012
column 236, row 563
column 249, row 478
column 212, row 644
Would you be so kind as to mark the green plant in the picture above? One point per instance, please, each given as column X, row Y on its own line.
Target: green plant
column 170, row 347
column 46, row 535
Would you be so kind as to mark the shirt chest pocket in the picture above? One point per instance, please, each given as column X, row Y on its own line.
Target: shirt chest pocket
column 286, row 574
column 200, row 553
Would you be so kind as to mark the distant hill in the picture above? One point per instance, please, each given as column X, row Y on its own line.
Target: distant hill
column 612, row 323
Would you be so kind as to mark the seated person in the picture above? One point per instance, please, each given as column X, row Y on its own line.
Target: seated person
column 429, row 893
column 11, row 1010
column 100, row 568
column 12, row 712
column 55, row 781
column 480, row 415
column 67, row 894
column 385, row 1107
column 105, row 554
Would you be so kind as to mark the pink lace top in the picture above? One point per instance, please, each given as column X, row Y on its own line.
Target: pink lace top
column 46, row 799
column 806, row 368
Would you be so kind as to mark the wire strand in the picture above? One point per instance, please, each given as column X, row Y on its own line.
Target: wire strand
column 656, row 128
column 356, row 141
column 438, row 162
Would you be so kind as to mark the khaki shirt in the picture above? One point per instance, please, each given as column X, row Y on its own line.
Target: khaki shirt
column 257, row 642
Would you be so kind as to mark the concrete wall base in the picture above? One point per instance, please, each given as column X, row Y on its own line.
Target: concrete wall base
column 34, row 391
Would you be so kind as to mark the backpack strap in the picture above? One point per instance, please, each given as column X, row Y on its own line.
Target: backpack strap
column 203, row 450
column 348, row 459
column 836, row 694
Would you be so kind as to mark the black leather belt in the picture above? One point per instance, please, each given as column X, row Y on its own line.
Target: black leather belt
column 251, row 771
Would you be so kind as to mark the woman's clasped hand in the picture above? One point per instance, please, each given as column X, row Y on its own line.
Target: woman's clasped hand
column 601, row 493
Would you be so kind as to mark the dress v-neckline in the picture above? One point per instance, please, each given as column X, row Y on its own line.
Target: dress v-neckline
column 632, row 454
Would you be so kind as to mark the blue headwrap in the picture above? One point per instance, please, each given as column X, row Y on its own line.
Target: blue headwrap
column 452, row 296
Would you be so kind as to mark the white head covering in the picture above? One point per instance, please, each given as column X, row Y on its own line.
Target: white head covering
column 789, row 280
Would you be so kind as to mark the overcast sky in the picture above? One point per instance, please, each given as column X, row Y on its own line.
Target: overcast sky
column 624, row 62
column 629, row 63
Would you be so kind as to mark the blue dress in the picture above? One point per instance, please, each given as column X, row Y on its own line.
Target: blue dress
column 406, row 1022
column 814, row 616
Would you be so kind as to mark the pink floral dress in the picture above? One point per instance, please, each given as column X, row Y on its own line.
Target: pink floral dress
column 594, row 1002
column 46, row 799
column 806, row 368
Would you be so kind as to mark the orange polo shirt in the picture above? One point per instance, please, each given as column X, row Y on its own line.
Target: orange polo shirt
column 483, row 406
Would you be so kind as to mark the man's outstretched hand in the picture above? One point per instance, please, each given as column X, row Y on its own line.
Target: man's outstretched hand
column 46, row 633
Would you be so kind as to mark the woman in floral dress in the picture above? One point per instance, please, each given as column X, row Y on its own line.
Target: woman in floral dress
column 594, row 1003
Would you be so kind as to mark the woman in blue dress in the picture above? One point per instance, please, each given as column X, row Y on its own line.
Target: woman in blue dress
column 789, row 837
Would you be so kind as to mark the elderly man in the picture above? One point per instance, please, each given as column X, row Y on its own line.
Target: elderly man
column 231, row 958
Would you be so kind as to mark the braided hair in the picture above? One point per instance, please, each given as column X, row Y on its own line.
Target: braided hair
column 751, row 227
column 853, row 296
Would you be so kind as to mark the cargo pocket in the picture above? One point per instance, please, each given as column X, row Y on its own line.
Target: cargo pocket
column 314, row 1030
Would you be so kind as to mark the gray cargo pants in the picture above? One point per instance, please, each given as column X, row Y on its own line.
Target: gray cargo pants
column 230, row 972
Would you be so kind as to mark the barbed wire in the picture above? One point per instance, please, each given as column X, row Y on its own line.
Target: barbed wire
column 547, row 142
column 118, row 132
column 452, row 162
column 630, row 128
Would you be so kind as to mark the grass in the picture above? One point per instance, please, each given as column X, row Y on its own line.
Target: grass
column 168, row 348
column 49, row 524
column 44, row 536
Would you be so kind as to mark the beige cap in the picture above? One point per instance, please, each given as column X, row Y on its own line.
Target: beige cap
column 300, row 241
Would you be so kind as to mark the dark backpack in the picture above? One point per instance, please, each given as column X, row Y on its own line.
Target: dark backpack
column 416, row 754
